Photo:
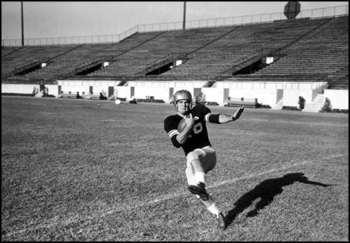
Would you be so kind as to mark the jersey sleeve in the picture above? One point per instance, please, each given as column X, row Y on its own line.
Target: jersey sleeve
column 205, row 111
column 170, row 126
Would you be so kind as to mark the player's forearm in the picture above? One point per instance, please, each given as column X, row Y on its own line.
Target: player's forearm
column 224, row 118
column 182, row 136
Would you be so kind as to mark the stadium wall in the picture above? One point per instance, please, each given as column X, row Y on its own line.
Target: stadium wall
column 160, row 90
column 85, row 86
column 267, row 93
column 339, row 99
column 52, row 89
column 308, row 91
column 28, row 89
column 19, row 88
column 271, row 93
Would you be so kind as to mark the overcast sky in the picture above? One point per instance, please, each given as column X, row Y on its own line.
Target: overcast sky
column 68, row 19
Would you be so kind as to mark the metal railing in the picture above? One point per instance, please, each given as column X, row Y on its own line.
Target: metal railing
column 194, row 24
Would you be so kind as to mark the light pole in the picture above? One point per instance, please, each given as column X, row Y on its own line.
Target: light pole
column 184, row 20
column 22, row 23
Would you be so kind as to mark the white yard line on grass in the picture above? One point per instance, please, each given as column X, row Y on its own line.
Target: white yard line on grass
column 270, row 171
column 98, row 214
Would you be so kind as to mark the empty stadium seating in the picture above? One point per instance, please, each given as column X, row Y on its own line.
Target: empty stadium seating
column 307, row 49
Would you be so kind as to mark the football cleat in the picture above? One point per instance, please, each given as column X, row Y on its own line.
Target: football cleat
column 199, row 190
column 222, row 224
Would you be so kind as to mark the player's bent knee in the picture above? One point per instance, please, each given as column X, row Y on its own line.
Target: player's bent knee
column 191, row 157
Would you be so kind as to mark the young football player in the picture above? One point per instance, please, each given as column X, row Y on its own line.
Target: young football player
column 187, row 129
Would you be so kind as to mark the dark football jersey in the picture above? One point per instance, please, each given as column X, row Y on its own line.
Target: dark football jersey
column 199, row 134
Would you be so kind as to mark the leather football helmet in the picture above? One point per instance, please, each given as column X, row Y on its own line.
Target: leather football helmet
column 182, row 95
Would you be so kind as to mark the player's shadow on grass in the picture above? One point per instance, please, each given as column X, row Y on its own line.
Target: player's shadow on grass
column 266, row 191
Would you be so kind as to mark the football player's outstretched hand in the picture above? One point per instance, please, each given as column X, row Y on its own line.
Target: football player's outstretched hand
column 238, row 113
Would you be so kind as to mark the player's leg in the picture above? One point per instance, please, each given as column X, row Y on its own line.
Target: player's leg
column 198, row 170
column 200, row 162
column 195, row 172
column 199, row 190
column 207, row 161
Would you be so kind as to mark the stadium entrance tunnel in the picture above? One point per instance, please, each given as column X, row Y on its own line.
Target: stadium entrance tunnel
column 91, row 69
column 166, row 67
column 258, row 65
column 31, row 68
column 161, row 70
column 252, row 68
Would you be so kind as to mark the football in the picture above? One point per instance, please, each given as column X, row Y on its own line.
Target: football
column 182, row 125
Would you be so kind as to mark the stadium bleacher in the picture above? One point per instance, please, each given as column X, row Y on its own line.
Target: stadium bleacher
column 218, row 51
column 302, row 50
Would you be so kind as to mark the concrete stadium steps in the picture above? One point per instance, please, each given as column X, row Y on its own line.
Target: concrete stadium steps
column 316, row 105
column 278, row 105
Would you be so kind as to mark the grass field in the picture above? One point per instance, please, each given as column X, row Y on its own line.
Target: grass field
column 79, row 170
